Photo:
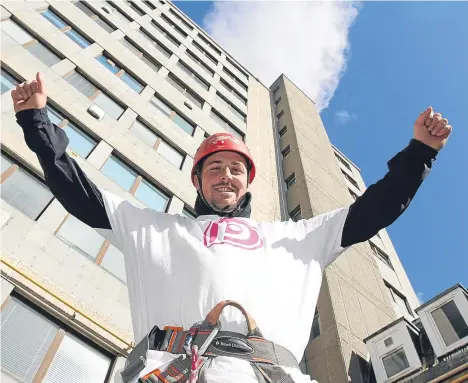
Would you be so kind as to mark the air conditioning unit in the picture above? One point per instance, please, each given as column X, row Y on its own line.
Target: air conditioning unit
column 96, row 112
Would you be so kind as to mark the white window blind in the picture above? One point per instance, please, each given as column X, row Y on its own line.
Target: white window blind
column 26, row 337
column 77, row 362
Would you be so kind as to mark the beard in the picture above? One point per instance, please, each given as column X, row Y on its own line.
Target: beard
column 222, row 207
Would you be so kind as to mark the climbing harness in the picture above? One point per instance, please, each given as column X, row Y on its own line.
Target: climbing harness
column 201, row 343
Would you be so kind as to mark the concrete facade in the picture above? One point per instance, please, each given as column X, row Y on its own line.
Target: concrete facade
column 353, row 302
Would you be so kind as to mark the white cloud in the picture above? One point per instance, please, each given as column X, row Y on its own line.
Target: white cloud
column 307, row 41
column 343, row 116
column 420, row 295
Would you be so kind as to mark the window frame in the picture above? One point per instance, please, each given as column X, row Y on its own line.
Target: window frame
column 283, row 131
column 174, row 26
column 236, row 67
column 199, row 62
column 391, row 353
column 159, row 140
column 235, row 110
column 236, row 79
column 122, row 71
column 343, row 161
column 165, row 33
column 350, row 179
column 233, row 91
column 95, row 16
column 195, row 76
column 290, row 181
column 319, row 324
column 98, row 91
column 187, row 90
column 286, row 151
column 296, row 212
column 68, row 27
column 135, row 8
column 113, row 5
column 280, row 115
column 63, row 330
column 141, row 53
column 205, row 39
column 15, row 167
column 205, row 53
column 175, row 112
column 8, row 73
column 230, row 125
column 380, row 254
column 155, row 42
column 393, row 291
column 178, row 17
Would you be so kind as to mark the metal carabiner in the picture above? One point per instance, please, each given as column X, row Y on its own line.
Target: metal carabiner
column 206, row 343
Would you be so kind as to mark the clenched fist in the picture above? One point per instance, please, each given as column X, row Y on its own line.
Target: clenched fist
column 431, row 129
column 30, row 95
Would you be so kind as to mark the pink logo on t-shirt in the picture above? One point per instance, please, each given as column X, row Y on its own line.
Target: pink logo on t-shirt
column 233, row 231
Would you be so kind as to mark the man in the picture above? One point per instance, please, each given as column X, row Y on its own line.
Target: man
column 179, row 269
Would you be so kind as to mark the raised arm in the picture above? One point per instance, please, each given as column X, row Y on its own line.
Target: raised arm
column 383, row 202
column 69, row 184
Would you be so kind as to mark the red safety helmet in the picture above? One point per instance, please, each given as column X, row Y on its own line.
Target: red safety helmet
column 220, row 142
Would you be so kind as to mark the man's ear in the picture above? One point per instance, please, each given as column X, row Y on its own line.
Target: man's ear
column 196, row 182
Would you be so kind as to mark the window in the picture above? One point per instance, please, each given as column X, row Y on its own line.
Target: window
column 66, row 28
column 296, row 214
column 188, row 213
column 35, row 47
column 136, row 8
column 240, row 73
column 235, row 78
column 86, row 87
column 234, row 92
column 381, row 255
column 195, row 76
column 22, row 190
column 276, row 90
column 207, row 42
column 231, row 107
column 395, row 362
column 122, row 16
column 8, row 81
column 354, row 195
column 185, row 90
column 205, row 67
column 173, row 114
column 113, row 261
column 450, row 323
column 28, row 337
column 81, row 237
column 315, row 331
column 279, row 115
column 290, row 181
column 150, row 138
column 164, row 32
column 160, row 47
column 283, row 131
column 148, row 60
column 278, row 101
column 149, row 4
column 128, row 179
column 121, row 73
column 345, row 163
column 176, row 15
column 286, row 151
column 80, row 142
column 350, row 180
column 399, row 299
column 176, row 28
column 223, row 123
column 96, row 17
column 204, row 52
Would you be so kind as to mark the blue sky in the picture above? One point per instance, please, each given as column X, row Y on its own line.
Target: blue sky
column 403, row 57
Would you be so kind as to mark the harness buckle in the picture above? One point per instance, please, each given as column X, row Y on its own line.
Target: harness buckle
column 193, row 332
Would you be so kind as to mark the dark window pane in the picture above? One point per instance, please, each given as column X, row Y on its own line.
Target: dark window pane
column 80, row 83
column 395, row 362
column 450, row 323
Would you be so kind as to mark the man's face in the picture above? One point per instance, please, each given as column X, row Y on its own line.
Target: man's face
column 224, row 180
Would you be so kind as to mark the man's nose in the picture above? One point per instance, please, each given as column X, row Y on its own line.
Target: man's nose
column 226, row 175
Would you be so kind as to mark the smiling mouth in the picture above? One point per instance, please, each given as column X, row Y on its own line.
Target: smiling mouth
column 224, row 189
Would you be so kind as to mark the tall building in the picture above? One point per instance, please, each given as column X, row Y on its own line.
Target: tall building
column 137, row 86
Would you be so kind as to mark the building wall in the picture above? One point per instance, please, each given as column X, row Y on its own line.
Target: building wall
column 32, row 246
column 354, row 300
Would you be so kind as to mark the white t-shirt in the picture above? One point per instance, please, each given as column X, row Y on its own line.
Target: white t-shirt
column 178, row 269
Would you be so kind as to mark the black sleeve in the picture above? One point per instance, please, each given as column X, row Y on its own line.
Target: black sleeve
column 383, row 202
column 69, row 184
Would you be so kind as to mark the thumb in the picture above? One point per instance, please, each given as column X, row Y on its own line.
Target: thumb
column 41, row 86
column 422, row 117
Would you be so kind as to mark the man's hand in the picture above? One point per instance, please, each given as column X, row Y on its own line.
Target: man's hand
column 431, row 129
column 30, row 95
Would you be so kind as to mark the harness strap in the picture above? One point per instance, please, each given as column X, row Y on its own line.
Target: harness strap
column 265, row 357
